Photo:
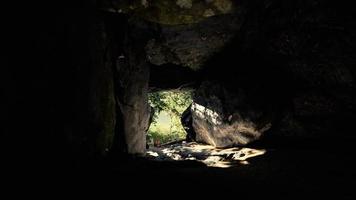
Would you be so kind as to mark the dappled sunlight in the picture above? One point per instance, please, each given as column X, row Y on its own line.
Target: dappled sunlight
column 207, row 154
column 203, row 112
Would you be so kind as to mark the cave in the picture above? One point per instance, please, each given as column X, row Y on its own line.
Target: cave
column 273, row 95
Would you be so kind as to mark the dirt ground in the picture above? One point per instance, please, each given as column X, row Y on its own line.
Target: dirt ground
column 298, row 169
column 288, row 169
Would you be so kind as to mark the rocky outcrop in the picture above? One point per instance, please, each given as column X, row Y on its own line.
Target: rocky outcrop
column 171, row 77
column 191, row 45
column 171, row 12
column 83, row 103
column 187, row 123
column 188, row 32
column 225, row 118
column 314, row 45
column 132, row 78
column 282, row 63
column 134, row 108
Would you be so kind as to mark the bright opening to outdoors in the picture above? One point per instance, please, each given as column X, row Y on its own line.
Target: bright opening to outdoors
column 168, row 107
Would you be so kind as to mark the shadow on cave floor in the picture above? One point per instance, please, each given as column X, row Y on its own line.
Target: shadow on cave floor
column 294, row 169
column 206, row 154
column 288, row 168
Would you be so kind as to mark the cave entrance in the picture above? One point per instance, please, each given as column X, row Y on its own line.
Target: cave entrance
column 166, row 111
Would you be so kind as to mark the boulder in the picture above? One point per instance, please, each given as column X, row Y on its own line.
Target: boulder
column 225, row 118
column 187, row 123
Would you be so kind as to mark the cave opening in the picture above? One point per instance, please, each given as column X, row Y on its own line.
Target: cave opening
column 167, row 108
column 272, row 78
column 176, row 115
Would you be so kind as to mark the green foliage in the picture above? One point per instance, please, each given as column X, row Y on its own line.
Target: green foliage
column 161, row 138
column 172, row 104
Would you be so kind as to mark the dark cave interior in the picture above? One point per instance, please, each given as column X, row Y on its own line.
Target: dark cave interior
column 274, row 74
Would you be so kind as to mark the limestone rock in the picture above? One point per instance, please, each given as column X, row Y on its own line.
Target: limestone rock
column 218, row 119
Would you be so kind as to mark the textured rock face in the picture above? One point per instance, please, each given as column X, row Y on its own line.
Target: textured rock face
column 187, row 32
column 102, row 94
column 210, row 128
column 171, row 12
column 313, row 40
column 73, row 61
column 191, row 45
column 220, row 120
column 132, row 78
column 187, row 123
column 134, row 108
column 92, row 128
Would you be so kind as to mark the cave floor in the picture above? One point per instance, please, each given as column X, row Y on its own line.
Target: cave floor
column 206, row 154
column 291, row 169
column 285, row 169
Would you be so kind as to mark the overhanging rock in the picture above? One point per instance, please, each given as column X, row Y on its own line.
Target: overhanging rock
column 188, row 32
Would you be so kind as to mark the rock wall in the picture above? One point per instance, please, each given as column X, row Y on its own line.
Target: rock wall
column 173, row 12
column 131, row 81
column 225, row 119
column 240, row 98
column 62, row 105
column 292, row 61
column 91, row 128
column 316, row 40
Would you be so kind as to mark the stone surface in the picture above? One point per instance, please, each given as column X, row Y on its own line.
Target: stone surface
column 207, row 154
column 220, row 117
column 102, row 98
column 187, row 123
column 132, row 78
column 171, row 12
column 191, row 45
column 286, row 62
column 134, row 108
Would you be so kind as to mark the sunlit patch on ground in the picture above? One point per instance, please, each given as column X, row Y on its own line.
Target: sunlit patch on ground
column 206, row 154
